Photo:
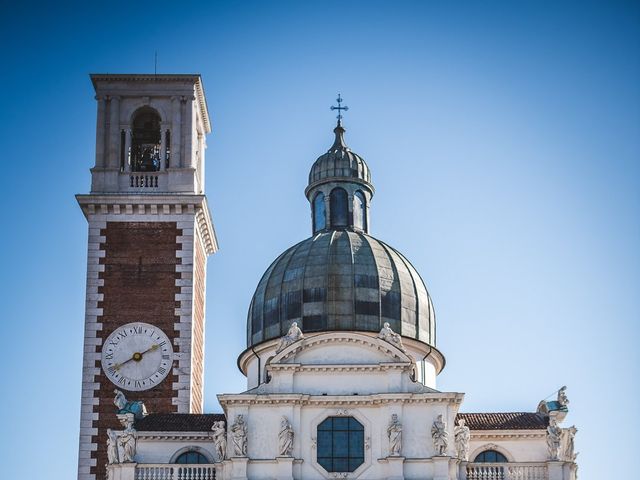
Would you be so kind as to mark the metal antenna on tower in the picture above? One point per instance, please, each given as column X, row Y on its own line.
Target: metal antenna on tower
column 340, row 108
column 155, row 63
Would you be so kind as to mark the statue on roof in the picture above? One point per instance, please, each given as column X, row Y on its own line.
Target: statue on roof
column 112, row 447
column 462, row 434
column 562, row 399
column 137, row 408
column 388, row 335
column 440, row 436
column 220, row 440
column 128, row 438
column 554, row 438
column 293, row 335
column 568, row 440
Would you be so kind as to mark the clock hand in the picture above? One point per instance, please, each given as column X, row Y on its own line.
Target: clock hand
column 137, row 356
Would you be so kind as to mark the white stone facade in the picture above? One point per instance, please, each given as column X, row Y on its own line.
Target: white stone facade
column 349, row 374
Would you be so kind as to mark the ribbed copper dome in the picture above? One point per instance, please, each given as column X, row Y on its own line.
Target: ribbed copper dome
column 339, row 162
column 341, row 280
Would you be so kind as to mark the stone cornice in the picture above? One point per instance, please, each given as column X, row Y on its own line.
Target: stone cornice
column 178, row 436
column 144, row 204
column 338, row 401
column 296, row 367
column 506, row 434
column 343, row 337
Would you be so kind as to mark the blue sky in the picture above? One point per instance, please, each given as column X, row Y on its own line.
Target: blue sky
column 504, row 143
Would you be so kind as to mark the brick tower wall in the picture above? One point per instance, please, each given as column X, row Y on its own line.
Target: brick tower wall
column 139, row 285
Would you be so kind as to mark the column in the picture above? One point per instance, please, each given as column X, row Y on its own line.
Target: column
column 176, row 132
column 114, row 133
column 127, row 151
column 100, row 131
column 163, row 145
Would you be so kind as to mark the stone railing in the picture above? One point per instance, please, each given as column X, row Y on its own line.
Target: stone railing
column 143, row 180
column 507, row 471
column 163, row 471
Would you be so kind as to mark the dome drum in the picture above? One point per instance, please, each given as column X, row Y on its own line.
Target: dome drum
column 336, row 205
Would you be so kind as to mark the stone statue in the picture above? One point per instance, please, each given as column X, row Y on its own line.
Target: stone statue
column 293, row 335
column 285, row 438
column 120, row 400
column 554, row 437
column 569, row 435
column 220, row 440
column 390, row 336
column 440, row 436
column 137, row 408
column 112, row 447
column 127, row 439
column 239, row 436
column 394, row 432
column 462, row 434
column 562, row 399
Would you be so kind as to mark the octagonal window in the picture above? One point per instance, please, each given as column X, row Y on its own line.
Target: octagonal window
column 340, row 444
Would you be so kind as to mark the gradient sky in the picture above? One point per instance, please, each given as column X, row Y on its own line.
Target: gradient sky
column 504, row 143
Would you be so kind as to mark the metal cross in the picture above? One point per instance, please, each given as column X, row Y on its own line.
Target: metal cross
column 340, row 108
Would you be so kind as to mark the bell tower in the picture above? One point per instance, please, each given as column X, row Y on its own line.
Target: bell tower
column 150, row 233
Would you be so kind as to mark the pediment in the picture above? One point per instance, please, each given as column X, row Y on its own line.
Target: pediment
column 341, row 348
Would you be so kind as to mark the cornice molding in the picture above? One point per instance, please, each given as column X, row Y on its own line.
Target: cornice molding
column 143, row 204
column 176, row 436
column 296, row 367
column 506, row 434
column 338, row 401
column 343, row 337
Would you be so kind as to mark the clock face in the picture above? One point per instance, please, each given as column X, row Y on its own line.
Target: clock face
column 137, row 356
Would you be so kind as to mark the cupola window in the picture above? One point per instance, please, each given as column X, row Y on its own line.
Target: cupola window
column 339, row 208
column 340, row 444
column 359, row 211
column 319, row 213
column 146, row 142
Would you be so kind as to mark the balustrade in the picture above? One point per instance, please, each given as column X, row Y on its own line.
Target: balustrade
column 143, row 181
column 175, row 472
column 507, row 471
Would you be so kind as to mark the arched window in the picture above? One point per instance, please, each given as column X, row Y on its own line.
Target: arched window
column 319, row 213
column 339, row 208
column 340, row 444
column 192, row 457
column 490, row 456
column 145, row 141
column 359, row 211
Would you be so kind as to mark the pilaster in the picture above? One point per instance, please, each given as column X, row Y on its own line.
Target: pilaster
column 284, row 468
column 238, row 468
column 395, row 468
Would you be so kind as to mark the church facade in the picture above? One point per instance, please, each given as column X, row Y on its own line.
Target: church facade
column 341, row 359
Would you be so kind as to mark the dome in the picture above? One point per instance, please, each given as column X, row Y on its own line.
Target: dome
column 338, row 163
column 341, row 280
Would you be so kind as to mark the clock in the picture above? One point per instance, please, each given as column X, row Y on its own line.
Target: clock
column 137, row 356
